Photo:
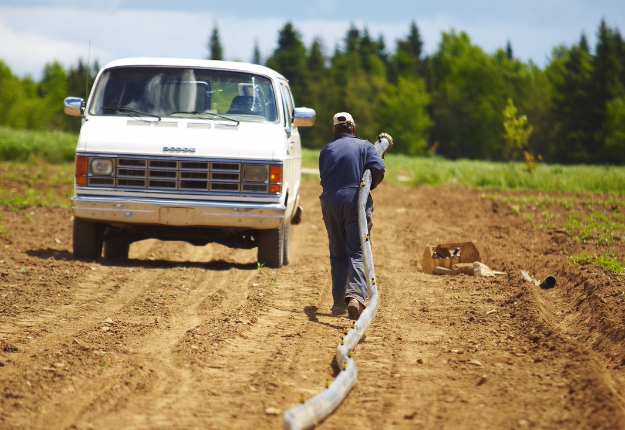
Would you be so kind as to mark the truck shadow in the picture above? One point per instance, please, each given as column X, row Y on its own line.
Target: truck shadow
column 218, row 265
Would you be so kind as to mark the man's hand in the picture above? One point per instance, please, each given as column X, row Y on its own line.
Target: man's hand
column 388, row 138
column 385, row 136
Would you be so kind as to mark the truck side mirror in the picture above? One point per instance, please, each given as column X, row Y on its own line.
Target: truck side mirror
column 303, row 117
column 74, row 106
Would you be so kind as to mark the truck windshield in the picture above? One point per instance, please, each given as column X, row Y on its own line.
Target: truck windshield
column 184, row 92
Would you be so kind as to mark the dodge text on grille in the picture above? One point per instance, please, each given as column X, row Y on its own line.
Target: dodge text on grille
column 174, row 149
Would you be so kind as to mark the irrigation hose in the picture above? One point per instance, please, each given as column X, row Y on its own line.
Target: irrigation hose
column 314, row 410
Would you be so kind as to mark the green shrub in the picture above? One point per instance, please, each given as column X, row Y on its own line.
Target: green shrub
column 50, row 146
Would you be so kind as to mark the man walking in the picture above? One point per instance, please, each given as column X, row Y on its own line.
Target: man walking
column 342, row 162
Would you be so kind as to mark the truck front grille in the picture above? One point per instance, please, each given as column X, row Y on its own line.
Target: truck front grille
column 218, row 176
column 193, row 185
column 226, row 166
column 178, row 175
column 131, row 172
column 130, row 183
column 101, row 182
column 224, row 187
column 255, row 188
column 171, row 185
column 130, row 162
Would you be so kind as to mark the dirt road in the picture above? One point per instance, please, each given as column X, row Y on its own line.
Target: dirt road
column 183, row 337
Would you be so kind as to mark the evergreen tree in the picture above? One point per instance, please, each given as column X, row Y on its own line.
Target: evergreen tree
column 572, row 109
column 78, row 83
column 366, row 48
column 215, row 50
column 509, row 52
column 323, row 97
column 316, row 60
column 407, row 60
column 583, row 43
column 533, row 93
column 381, row 45
column 370, row 50
column 605, row 85
column 413, row 43
column 620, row 50
column 80, row 78
column 352, row 39
column 289, row 59
column 256, row 58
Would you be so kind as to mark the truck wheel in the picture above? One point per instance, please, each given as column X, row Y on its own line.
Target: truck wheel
column 271, row 247
column 116, row 249
column 297, row 216
column 87, row 239
column 286, row 243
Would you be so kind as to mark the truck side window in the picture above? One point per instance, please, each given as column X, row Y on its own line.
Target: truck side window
column 290, row 100
column 287, row 102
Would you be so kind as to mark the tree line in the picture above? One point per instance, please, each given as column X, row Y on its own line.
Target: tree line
column 454, row 101
column 27, row 104
column 458, row 102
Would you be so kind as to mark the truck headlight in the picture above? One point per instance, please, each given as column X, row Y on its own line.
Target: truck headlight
column 255, row 174
column 102, row 166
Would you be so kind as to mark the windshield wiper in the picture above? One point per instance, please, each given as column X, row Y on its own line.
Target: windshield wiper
column 209, row 113
column 131, row 111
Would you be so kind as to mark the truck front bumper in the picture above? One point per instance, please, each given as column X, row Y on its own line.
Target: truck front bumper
column 179, row 212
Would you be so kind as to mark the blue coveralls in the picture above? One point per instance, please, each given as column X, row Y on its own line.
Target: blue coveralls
column 342, row 162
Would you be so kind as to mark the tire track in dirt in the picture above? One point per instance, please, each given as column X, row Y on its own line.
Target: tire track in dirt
column 164, row 385
column 83, row 296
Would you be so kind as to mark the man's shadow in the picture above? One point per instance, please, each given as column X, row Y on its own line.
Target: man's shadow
column 311, row 313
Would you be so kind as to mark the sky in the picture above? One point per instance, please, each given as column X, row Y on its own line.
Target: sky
column 34, row 32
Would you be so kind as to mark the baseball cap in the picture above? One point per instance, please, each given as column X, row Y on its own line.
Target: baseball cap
column 343, row 117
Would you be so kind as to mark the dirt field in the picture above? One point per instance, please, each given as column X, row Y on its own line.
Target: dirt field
column 183, row 337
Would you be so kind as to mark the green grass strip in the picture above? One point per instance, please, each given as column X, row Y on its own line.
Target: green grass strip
column 58, row 147
column 402, row 169
column 50, row 146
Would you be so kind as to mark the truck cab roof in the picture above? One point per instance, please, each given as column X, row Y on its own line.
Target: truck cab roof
column 186, row 62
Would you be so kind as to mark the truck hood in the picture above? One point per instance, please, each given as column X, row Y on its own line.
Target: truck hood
column 181, row 137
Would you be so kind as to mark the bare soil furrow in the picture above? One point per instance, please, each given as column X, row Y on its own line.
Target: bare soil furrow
column 184, row 337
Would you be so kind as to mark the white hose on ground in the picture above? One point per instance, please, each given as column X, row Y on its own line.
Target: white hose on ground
column 314, row 410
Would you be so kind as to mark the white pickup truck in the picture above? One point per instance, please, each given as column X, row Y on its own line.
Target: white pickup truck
column 188, row 150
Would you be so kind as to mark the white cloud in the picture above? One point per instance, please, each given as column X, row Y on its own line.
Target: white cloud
column 26, row 52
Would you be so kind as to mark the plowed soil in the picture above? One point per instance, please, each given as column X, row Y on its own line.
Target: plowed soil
column 183, row 337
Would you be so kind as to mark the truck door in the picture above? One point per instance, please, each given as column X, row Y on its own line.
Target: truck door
column 292, row 146
column 296, row 150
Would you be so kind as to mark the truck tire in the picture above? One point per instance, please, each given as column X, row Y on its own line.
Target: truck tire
column 297, row 216
column 116, row 250
column 87, row 239
column 271, row 247
column 286, row 243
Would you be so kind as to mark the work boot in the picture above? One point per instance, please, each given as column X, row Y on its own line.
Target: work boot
column 354, row 308
column 339, row 310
